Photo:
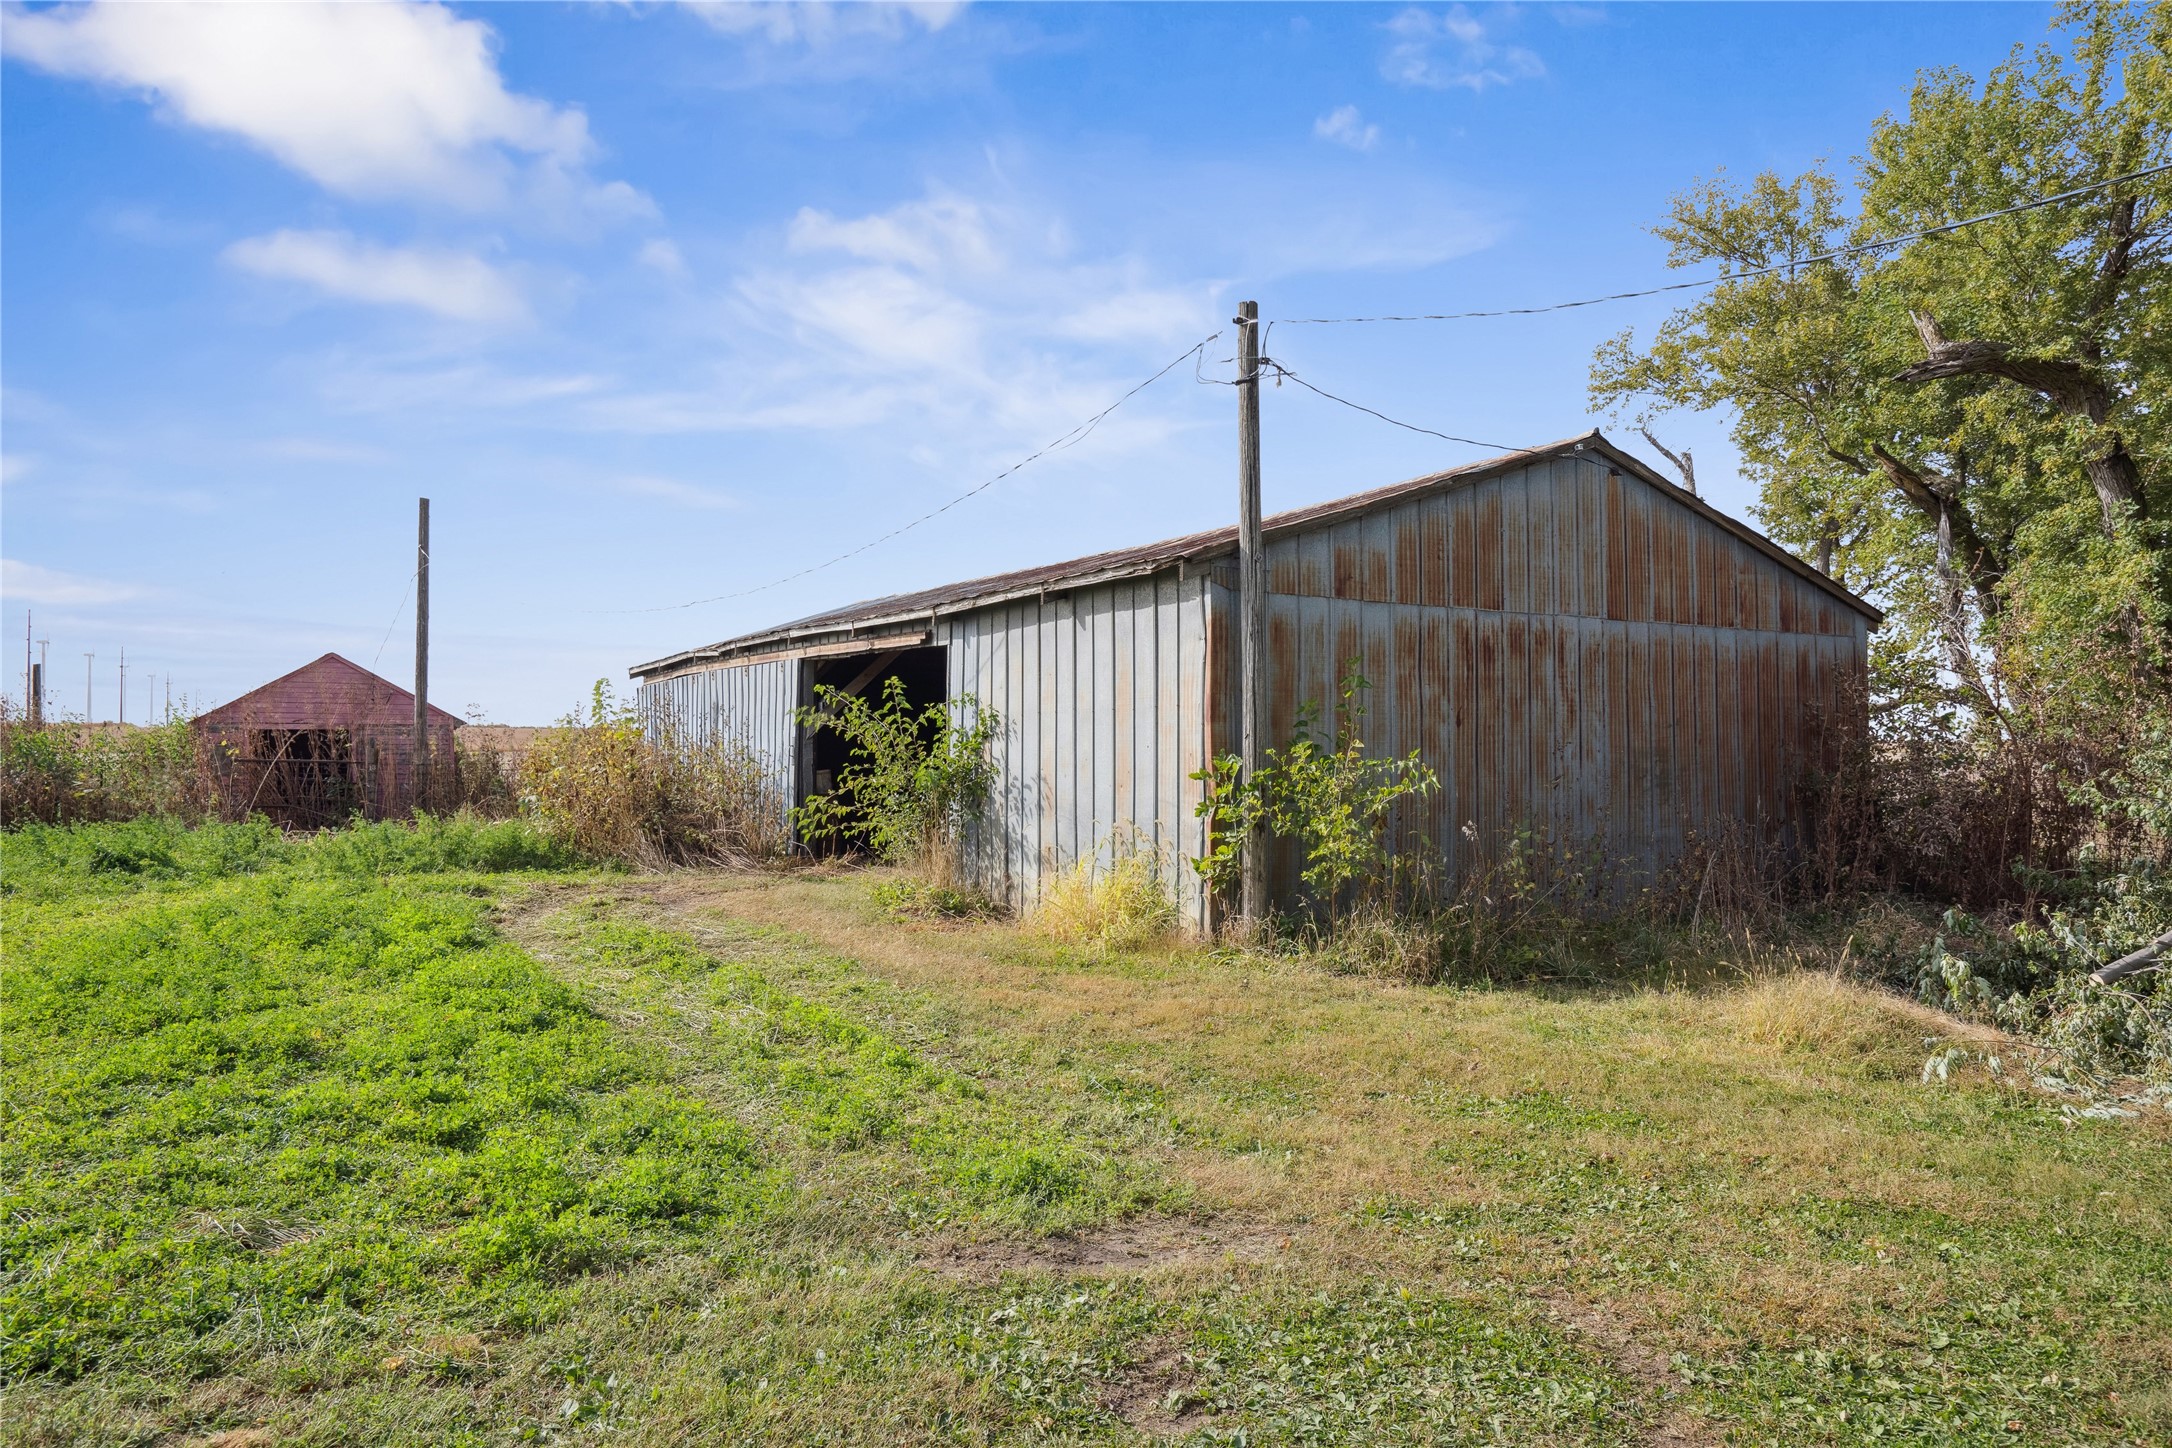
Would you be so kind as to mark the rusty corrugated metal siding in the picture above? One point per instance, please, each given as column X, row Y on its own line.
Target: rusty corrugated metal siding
column 1608, row 671
column 1579, row 651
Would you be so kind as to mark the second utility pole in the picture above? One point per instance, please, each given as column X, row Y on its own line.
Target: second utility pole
column 1251, row 603
column 422, row 653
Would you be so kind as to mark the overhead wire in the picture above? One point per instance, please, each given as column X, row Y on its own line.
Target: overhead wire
column 1197, row 350
column 1070, row 439
column 1282, row 371
column 1841, row 253
column 396, row 615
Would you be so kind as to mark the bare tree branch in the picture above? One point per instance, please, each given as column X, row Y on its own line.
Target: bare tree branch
column 1683, row 462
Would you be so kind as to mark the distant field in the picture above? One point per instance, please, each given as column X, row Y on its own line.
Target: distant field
column 437, row 1137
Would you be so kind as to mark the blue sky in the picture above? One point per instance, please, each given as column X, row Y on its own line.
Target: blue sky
column 658, row 303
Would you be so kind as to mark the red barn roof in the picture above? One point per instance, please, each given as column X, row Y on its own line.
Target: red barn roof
column 331, row 693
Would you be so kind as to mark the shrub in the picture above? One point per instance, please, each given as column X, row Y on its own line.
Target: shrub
column 60, row 773
column 611, row 788
column 1322, row 791
column 915, row 778
column 1125, row 906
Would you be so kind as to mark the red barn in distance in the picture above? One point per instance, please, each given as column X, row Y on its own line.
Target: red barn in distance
column 320, row 745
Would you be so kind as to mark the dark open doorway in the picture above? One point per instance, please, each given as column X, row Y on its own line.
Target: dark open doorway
column 824, row 752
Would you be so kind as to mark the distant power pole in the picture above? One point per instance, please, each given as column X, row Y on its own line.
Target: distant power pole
column 120, row 713
column 422, row 650
column 88, row 659
column 1251, row 598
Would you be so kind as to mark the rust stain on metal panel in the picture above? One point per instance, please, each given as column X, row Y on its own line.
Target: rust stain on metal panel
column 1711, row 746
column 1284, row 670
column 1683, row 530
column 1376, row 531
column 1687, row 744
column 1621, row 766
column 1539, row 508
column 1617, row 549
column 1462, row 514
column 1433, row 553
column 1569, row 576
column 1662, row 785
column 1784, row 595
column 1746, row 596
column 1349, row 642
column 1409, row 532
column 1515, row 495
column 1515, row 757
column 1436, row 730
column 1487, row 519
column 1349, row 563
column 1538, row 758
column 1489, row 707
column 1659, row 561
column 1591, row 727
column 1316, row 680
column 1591, row 535
column 1768, row 726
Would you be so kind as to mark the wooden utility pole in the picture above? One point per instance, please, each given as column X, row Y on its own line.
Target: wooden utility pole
column 37, row 695
column 120, row 713
column 1251, row 601
column 422, row 652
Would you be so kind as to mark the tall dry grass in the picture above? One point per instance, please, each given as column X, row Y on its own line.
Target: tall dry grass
column 1125, row 904
column 611, row 787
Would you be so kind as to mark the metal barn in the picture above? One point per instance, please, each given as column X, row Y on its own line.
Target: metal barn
column 319, row 745
column 1578, row 647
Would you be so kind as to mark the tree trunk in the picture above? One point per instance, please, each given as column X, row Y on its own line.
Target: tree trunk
column 2075, row 390
column 1970, row 550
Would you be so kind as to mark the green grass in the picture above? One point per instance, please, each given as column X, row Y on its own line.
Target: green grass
column 434, row 1135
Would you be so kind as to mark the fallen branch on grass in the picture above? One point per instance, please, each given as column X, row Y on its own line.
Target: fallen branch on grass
column 2149, row 955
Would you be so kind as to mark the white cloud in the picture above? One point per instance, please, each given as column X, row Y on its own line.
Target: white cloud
column 368, row 100
column 943, row 231
column 1453, row 49
column 29, row 583
column 663, row 254
column 1346, row 127
column 818, row 23
column 450, row 283
column 1159, row 314
column 671, row 490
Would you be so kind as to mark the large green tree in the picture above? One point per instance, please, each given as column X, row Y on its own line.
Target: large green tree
column 1971, row 426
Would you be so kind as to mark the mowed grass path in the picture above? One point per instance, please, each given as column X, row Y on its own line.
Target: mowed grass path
column 430, row 1138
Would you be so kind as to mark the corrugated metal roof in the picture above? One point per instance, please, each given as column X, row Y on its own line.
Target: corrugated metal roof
column 1153, row 557
column 331, row 692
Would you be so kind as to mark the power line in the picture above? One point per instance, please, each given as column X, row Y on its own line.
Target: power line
column 1283, row 371
column 1737, row 276
column 1075, row 436
column 396, row 614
